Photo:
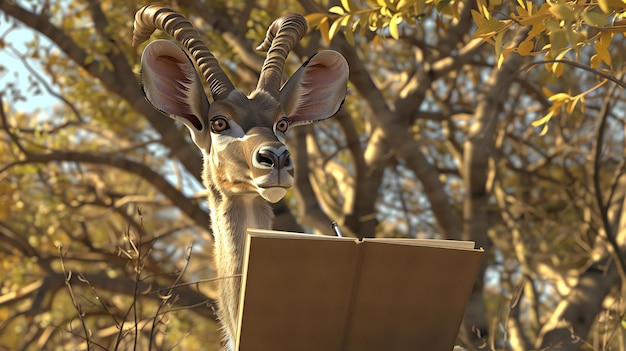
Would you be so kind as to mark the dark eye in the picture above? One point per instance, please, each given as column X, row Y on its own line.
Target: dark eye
column 283, row 124
column 219, row 124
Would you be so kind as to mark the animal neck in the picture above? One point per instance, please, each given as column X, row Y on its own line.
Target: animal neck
column 230, row 218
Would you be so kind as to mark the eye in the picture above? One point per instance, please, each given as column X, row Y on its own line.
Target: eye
column 219, row 124
column 282, row 125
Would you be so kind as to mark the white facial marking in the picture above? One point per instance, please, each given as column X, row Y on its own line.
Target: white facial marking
column 281, row 137
column 234, row 134
column 272, row 195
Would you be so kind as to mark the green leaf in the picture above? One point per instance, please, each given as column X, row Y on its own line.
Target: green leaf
column 478, row 18
column 563, row 11
column 558, row 41
column 595, row 18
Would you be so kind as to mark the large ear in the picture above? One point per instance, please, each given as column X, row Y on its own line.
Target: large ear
column 171, row 84
column 317, row 89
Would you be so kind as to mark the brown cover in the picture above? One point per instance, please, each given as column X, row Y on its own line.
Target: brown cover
column 305, row 292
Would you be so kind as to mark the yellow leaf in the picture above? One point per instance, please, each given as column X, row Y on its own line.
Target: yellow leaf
column 571, row 106
column 530, row 7
column 334, row 29
column 603, row 51
column 420, row 6
column 314, row 19
column 533, row 20
column 88, row 59
column 349, row 5
column 337, row 10
column 372, row 21
column 355, row 25
column 543, row 120
column 345, row 21
column 498, row 47
column 482, row 7
column 404, row 4
column 324, row 30
column 349, row 35
column 559, row 96
column 604, row 6
column 582, row 103
column 526, row 47
column 376, row 40
column 393, row 25
column 385, row 11
column 595, row 61
column 558, row 68
column 491, row 27
column 547, row 91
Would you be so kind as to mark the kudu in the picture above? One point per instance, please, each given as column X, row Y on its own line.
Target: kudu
column 242, row 138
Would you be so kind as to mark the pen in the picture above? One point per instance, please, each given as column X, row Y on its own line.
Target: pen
column 336, row 229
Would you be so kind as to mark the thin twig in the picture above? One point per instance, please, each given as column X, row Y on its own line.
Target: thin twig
column 83, row 278
column 81, row 314
column 602, row 206
column 138, row 270
column 7, row 129
column 48, row 88
column 166, row 298
column 608, row 76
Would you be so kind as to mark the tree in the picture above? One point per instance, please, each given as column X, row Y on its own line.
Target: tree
column 495, row 122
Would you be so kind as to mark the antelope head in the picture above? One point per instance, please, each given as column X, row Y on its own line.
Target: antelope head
column 242, row 137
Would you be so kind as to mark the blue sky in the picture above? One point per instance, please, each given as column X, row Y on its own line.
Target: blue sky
column 14, row 70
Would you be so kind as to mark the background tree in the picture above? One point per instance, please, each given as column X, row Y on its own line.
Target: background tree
column 497, row 122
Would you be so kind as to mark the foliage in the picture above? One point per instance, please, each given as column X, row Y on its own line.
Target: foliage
column 436, row 139
column 559, row 31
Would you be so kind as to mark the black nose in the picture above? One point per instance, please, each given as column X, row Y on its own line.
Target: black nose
column 268, row 156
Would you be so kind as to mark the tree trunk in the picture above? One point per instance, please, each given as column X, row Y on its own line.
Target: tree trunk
column 478, row 149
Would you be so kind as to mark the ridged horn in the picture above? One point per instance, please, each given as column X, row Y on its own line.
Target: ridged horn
column 152, row 17
column 283, row 34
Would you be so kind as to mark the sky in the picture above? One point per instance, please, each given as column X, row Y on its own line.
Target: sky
column 14, row 70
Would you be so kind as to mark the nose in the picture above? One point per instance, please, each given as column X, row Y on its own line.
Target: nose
column 271, row 157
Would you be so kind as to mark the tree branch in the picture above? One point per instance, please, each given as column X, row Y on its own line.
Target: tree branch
column 186, row 205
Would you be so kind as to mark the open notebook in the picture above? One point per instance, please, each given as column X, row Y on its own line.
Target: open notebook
column 324, row 293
